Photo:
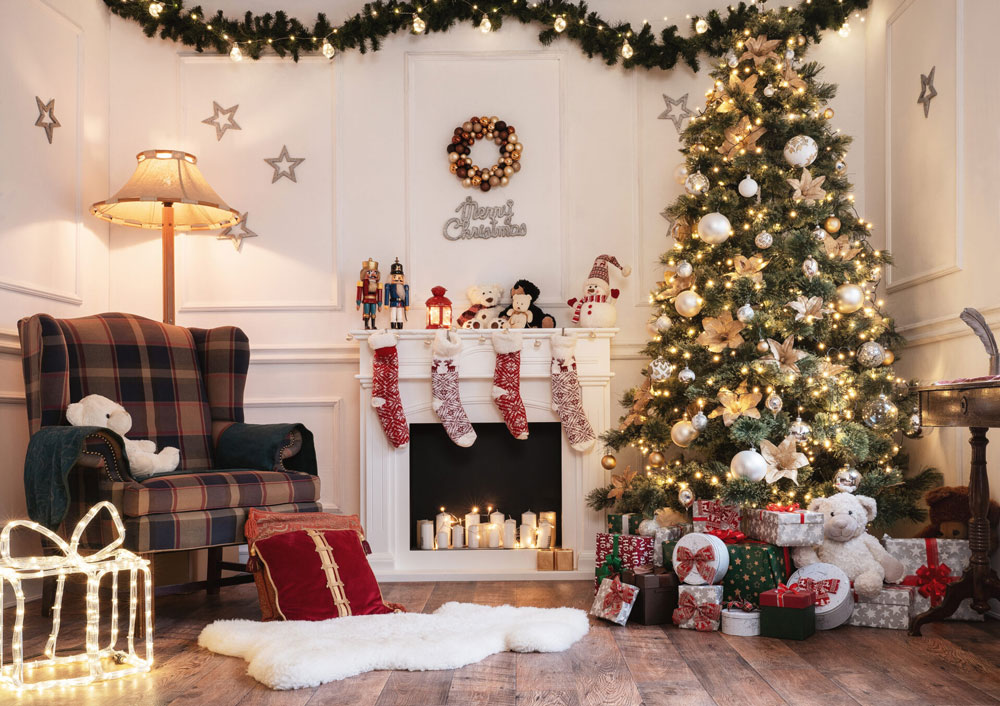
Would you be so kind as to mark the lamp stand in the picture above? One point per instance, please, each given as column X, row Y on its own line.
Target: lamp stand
column 168, row 263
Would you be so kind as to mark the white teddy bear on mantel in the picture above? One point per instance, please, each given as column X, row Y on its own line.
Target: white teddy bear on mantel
column 143, row 460
column 848, row 546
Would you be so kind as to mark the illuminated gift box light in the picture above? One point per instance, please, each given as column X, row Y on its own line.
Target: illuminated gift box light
column 111, row 559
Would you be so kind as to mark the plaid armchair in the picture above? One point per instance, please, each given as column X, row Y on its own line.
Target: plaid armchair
column 183, row 388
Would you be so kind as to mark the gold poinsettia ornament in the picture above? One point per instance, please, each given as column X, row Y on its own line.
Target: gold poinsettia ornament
column 828, row 369
column 721, row 333
column 809, row 309
column 759, row 49
column 792, row 78
column 621, row 483
column 748, row 267
column 783, row 460
column 807, row 187
column 840, row 248
column 740, row 136
column 737, row 403
column 785, row 355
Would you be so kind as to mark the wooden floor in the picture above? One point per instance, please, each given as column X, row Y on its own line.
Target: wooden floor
column 954, row 663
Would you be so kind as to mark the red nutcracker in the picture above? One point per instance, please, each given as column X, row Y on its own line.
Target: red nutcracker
column 369, row 292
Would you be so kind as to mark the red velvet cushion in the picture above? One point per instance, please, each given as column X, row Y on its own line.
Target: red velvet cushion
column 318, row 574
column 264, row 523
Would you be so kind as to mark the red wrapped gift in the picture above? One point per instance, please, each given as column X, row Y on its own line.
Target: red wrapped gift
column 633, row 549
column 714, row 515
column 786, row 597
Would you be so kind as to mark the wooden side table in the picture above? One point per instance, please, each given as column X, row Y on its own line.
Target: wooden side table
column 975, row 405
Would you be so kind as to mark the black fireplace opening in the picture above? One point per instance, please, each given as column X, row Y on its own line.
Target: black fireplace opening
column 498, row 470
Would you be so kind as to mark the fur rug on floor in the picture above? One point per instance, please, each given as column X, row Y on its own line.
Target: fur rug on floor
column 296, row 653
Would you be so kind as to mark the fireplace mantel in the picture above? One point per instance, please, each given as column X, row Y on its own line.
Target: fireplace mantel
column 385, row 470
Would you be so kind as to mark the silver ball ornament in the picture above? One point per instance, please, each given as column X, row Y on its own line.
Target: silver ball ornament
column 696, row 183
column 688, row 303
column 915, row 429
column 847, row 480
column 714, row 228
column 773, row 402
column 745, row 314
column 663, row 323
column 789, row 54
column 801, row 151
column 748, row 464
column 764, row 240
column 647, row 528
column 768, row 90
column 819, row 233
column 748, row 187
column 799, row 429
column 879, row 413
column 686, row 376
column 850, row 298
column 686, row 497
column 810, row 267
column 699, row 421
column 683, row 433
column 681, row 173
column 840, row 167
column 871, row 354
column 732, row 60
column 660, row 369
column 684, row 269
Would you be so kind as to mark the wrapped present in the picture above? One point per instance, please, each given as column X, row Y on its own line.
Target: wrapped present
column 666, row 534
column 627, row 523
column 546, row 559
column 714, row 515
column 698, row 607
column 564, row 559
column 754, row 567
column 614, row 601
column 784, row 525
column 831, row 591
column 630, row 550
column 740, row 618
column 787, row 623
column 930, row 565
column 783, row 596
column 700, row 558
column 892, row 608
column 657, row 595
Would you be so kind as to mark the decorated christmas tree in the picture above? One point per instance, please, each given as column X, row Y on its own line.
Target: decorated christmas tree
column 770, row 377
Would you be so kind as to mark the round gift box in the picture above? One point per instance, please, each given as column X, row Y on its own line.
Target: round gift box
column 736, row 621
column 838, row 610
column 695, row 542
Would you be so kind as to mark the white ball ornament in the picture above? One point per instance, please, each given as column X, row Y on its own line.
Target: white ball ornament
column 684, row 269
column 688, row 303
column 681, row 173
column 745, row 314
column 850, row 298
column 801, row 151
column 683, row 433
column 764, row 240
column 748, row 187
column 748, row 464
column 663, row 323
column 768, row 90
column 660, row 369
column 714, row 228
column 696, row 184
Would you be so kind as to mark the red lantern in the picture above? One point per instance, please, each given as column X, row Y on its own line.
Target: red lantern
column 438, row 309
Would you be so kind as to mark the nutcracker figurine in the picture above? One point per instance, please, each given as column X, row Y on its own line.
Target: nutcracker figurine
column 369, row 292
column 397, row 295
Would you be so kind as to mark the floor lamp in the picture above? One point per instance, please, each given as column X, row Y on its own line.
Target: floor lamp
column 167, row 191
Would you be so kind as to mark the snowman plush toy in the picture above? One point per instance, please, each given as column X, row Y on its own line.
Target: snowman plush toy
column 596, row 308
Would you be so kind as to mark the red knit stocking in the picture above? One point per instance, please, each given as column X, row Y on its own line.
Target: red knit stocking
column 567, row 398
column 385, row 388
column 507, row 382
column 444, row 388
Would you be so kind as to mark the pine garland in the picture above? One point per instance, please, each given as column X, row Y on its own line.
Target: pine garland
column 367, row 29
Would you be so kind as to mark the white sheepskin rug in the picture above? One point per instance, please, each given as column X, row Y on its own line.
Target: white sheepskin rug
column 297, row 653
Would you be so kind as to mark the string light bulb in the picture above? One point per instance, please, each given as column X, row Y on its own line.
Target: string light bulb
column 627, row 50
column 701, row 26
column 845, row 30
column 155, row 8
column 559, row 25
column 328, row 49
column 485, row 26
column 235, row 54
column 418, row 24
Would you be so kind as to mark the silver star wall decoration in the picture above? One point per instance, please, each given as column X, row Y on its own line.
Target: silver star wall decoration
column 283, row 165
column 927, row 90
column 678, row 118
column 669, row 219
column 237, row 237
column 222, row 119
column 47, row 117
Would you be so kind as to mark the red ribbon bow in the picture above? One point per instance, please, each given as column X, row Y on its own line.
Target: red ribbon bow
column 932, row 580
column 745, row 606
column 700, row 562
column 706, row 615
column 728, row 536
column 778, row 507
column 617, row 596
column 821, row 590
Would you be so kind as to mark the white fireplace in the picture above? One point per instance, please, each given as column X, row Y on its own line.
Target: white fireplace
column 385, row 477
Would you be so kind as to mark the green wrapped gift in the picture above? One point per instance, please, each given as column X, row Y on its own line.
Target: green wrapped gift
column 787, row 623
column 624, row 524
column 754, row 567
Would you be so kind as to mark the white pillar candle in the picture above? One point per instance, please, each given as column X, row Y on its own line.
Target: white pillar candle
column 443, row 536
column 426, row 529
column 497, row 518
column 473, row 518
column 457, row 536
column 529, row 518
column 509, row 533
column 549, row 517
column 527, row 536
column 473, row 536
column 544, row 535
column 494, row 531
column 443, row 521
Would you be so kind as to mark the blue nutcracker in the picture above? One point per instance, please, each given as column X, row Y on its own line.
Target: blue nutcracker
column 397, row 295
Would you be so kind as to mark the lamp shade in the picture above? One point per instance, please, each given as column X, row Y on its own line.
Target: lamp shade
column 167, row 177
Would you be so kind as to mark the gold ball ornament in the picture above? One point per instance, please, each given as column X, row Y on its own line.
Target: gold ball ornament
column 683, row 433
column 889, row 358
column 832, row 224
column 688, row 303
column 656, row 459
column 762, row 346
column 608, row 461
column 850, row 298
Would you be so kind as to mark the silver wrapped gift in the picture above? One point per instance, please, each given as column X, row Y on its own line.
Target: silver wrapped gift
column 799, row 528
column 918, row 553
column 666, row 534
column 892, row 608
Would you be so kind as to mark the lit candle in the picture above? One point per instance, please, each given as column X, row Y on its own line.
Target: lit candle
column 529, row 518
column 494, row 533
column 473, row 536
column 544, row 535
column 443, row 521
column 457, row 536
column 527, row 536
column 509, row 533
column 426, row 534
column 497, row 518
column 473, row 518
column 549, row 517
column 443, row 537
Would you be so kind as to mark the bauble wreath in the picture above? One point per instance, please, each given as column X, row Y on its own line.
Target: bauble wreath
column 460, row 149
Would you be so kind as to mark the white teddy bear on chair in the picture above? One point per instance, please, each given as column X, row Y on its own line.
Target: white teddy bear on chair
column 144, row 462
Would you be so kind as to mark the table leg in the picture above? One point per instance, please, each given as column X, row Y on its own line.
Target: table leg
column 979, row 581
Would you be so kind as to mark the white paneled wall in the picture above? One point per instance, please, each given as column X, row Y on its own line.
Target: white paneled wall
column 372, row 129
